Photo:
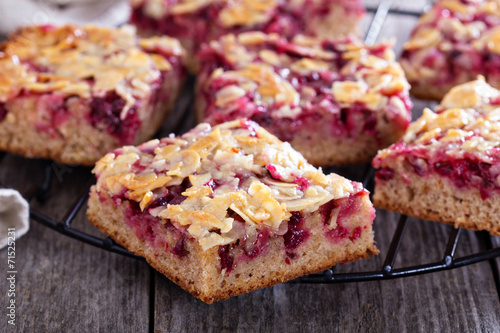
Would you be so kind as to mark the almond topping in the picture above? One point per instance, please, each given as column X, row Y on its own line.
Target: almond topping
column 226, row 171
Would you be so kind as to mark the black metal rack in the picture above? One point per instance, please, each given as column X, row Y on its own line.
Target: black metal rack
column 183, row 121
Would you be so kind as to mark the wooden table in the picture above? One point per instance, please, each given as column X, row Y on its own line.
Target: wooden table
column 64, row 285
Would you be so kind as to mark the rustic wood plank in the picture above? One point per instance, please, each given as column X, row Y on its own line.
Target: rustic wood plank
column 440, row 300
column 495, row 263
column 63, row 284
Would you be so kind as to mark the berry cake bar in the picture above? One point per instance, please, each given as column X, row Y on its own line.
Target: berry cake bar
column 225, row 210
column 447, row 166
column 195, row 22
column 453, row 43
column 336, row 101
column 73, row 94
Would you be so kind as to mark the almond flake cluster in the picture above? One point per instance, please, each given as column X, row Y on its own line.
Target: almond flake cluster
column 256, row 176
column 85, row 61
column 375, row 81
column 467, row 122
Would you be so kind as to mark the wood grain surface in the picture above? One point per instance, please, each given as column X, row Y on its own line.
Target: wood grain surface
column 64, row 285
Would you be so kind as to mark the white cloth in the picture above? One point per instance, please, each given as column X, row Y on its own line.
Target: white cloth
column 17, row 13
column 14, row 213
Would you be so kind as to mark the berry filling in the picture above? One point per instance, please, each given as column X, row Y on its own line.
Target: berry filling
column 153, row 231
column 470, row 173
column 339, row 212
column 245, row 249
column 450, row 63
column 302, row 182
column 226, row 258
column 253, row 248
column 106, row 113
column 180, row 247
column 467, row 172
column 143, row 224
column 296, row 233
column 273, row 171
column 248, row 248
column 204, row 25
column 317, row 104
column 52, row 113
column 3, row 112
column 385, row 174
column 173, row 196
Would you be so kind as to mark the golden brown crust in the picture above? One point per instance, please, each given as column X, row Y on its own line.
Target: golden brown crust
column 75, row 141
column 49, row 98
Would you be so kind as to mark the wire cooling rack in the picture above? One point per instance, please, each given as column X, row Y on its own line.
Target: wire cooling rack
column 184, row 120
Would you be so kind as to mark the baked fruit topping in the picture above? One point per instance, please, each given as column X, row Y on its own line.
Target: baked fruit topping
column 195, row 22
column 335, row 101
column 454, row 42
column 74, row 93
column 226, row 210
column 447, row 166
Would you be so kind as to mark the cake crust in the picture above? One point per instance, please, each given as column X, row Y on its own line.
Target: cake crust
column 461, row 209
column 74, row 93
column 196, row 22
column 446, row 168
column 335, row 101
column 227, row 210
column 453, row 43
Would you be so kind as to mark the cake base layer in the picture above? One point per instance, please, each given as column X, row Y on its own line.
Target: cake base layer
column 68, row 136
column 437, row 199
column 199, row 272
column 320, row 149
column 433, row 88
column 331, row 19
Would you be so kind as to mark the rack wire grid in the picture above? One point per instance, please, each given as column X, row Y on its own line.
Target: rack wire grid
column 183, row 121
